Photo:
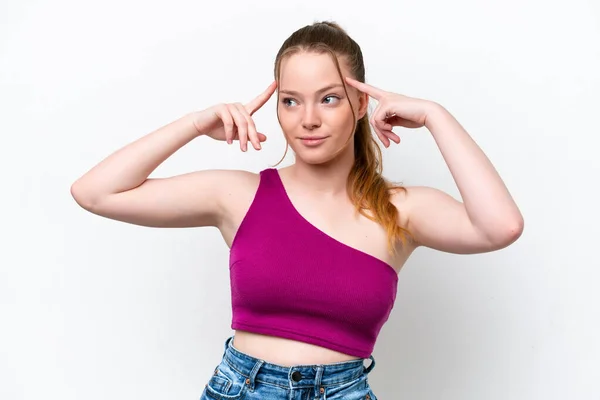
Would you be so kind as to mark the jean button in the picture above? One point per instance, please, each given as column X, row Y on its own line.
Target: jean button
column 296, row 376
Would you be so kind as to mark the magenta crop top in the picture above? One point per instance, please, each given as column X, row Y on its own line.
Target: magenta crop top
column 290, row 279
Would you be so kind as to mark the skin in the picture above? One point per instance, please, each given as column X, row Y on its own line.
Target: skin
column 486, row 219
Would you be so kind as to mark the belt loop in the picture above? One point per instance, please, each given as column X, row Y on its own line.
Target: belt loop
column 252, row 377
column 318, row 377
column 371, row 366
column 227, row 344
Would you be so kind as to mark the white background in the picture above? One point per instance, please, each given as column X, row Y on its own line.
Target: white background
column 96, row 309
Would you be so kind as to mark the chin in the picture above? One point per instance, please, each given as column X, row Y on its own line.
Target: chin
column 313, row 159
column 316, row 156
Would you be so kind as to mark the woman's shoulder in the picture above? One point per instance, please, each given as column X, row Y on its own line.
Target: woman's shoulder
column 237, row 179
column 407, row 198
column 238, row 186
column 224, row 178
column 239, row 175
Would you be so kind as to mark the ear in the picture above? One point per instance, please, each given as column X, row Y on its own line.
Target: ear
column 363, row 104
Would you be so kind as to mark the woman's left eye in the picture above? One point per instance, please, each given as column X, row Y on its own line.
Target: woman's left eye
column 333, row 99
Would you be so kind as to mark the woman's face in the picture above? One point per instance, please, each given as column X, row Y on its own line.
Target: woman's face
column 313, row 108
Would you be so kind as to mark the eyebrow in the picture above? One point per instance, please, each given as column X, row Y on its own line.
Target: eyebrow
column 326, row 88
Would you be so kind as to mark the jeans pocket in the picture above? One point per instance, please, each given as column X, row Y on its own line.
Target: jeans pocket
column 225, row 384
column 355, row 389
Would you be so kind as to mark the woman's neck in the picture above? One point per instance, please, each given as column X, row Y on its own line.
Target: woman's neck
column 330, row 178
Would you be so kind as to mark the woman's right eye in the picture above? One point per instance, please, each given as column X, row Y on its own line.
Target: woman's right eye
column 287, row 101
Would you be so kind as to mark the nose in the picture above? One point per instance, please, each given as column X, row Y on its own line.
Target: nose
column 311, row 118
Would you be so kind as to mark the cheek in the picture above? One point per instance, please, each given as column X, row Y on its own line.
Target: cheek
column 341, row 119
column 288, row 121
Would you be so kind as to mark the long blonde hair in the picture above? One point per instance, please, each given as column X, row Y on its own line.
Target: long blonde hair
column 367, row 188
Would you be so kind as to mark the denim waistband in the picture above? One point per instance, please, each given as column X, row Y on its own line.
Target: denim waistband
column 301, row 375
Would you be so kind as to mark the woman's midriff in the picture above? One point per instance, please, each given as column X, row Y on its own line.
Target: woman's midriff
column 285, row 352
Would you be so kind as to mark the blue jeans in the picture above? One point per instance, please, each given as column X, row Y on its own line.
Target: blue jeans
column 241, row 376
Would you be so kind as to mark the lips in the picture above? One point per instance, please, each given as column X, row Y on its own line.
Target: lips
column 313, row 140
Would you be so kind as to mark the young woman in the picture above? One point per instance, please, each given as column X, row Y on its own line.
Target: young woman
column 316, row 247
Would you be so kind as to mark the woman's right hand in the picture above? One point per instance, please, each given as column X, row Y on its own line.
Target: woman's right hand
column 233, row 121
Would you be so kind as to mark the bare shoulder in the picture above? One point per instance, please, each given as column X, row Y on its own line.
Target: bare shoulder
column 399, row 198
column 234, row 188
column 407, row 198
column 238, row 185
column 402, row 197
column 243, row 177
column 417, row 207
column 437, row 220
column 223, row 183
column 237, row 192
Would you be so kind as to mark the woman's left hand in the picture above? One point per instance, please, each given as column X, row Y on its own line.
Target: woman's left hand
column 394, row 110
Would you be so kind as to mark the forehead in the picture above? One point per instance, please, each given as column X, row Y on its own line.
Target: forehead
column 309, row 71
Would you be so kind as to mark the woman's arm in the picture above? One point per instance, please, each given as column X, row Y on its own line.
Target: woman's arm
column 118, row 187
column 486, row 220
